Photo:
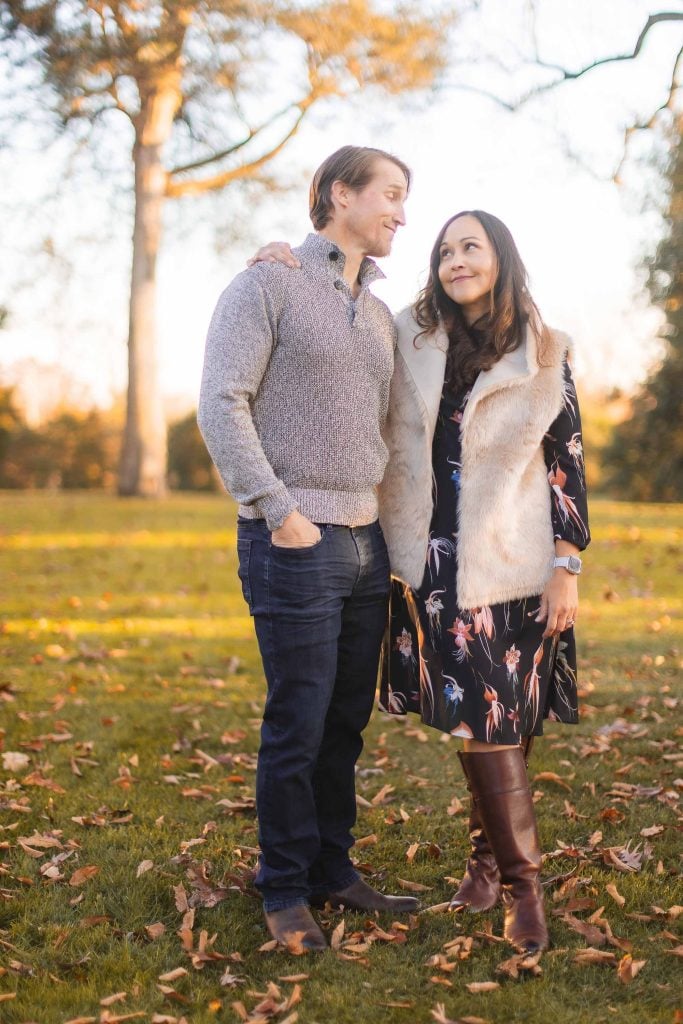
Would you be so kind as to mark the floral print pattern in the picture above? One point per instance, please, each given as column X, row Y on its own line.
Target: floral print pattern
column 485, row 673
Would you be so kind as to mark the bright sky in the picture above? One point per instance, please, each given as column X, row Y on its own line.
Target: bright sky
column 581, row 237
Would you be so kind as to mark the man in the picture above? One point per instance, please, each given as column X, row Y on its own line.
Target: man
column 294, row 396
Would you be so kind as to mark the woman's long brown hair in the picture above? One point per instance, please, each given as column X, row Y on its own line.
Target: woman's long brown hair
column 500, row 330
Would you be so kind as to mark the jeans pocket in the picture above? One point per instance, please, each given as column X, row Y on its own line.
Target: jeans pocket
column 299, row 552
column 243, row 558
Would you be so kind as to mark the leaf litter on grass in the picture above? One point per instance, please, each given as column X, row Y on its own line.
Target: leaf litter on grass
column 629, row 764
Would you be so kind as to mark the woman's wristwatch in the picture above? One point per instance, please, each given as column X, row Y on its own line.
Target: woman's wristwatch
column 572, row 563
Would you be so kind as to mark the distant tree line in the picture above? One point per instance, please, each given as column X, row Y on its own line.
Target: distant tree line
column 76, row 449
column 645, row 456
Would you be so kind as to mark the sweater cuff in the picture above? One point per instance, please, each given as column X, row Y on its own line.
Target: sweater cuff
column 275, row 507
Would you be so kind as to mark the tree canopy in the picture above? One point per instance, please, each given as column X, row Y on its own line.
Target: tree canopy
column 213, row 91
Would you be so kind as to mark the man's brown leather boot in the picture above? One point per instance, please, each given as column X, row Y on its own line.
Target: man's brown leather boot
column 361, row 896
column 296, row 925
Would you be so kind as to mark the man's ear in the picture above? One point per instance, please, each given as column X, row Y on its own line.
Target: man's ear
column 339, row 193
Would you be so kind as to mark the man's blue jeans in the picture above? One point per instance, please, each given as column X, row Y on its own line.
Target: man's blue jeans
column 320, row 614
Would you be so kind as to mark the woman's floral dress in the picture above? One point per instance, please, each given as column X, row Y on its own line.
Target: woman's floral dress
column 485, row 674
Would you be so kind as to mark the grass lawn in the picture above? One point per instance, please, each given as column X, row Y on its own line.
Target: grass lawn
column 131, row 694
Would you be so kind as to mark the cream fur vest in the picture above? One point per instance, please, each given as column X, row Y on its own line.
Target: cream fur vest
column 505, row 543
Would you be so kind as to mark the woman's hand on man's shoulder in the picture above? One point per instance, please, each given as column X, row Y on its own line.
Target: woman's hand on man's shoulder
column 275, row 252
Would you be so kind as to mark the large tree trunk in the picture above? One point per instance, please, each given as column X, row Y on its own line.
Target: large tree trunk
column 142, row 469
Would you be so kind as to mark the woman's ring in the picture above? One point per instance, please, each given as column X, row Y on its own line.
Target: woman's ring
column 569, row 623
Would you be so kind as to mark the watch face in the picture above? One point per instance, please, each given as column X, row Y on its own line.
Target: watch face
column 574, row 564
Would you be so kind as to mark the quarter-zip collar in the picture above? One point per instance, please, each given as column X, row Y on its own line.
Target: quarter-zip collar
column 319, row 254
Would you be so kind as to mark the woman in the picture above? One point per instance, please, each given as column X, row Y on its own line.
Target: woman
column 483, row 510
column 481, row 641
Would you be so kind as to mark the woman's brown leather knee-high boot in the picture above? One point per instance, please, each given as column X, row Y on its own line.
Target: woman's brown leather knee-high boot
column 479, row 889
column 501, row 792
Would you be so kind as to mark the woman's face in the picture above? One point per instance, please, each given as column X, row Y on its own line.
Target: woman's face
column 468, row 266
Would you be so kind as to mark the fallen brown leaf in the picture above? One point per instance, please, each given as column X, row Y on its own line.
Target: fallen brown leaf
column 552, row 777
column 337, row 936
column 82, row 875
column 112, row 1018
column 117, row 997
column 460, row 947
column 36, row 779
column 413, row 886
column 181, row 898
column 143, row 866
column 366, row 841
column 612, row 891
column 520, row 963
column 177, row 972
column 626, row 859
column 455, row 807
column 594, row 956
column 628, row 968
column 593, row 935
column 156, row 930
column 476, row 987
column 268, row 946
column 612, row 814
column 439, row 1015
column 171, row 993
column 229, row 980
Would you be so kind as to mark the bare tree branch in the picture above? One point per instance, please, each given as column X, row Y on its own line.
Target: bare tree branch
column 643, row 126
column 510, row 105
column 109, row 88
column 198, row 186
column 567, row 75
column 251, row 134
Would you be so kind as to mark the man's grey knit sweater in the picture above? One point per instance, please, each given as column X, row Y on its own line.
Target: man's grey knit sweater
column 295, row 389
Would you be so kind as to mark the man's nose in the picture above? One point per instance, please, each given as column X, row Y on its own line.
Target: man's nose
column 400, row 215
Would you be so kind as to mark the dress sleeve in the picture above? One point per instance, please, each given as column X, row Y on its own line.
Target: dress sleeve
column 563, row 451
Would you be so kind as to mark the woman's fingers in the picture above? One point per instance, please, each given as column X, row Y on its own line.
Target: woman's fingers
column 551, row 623
column 275, row 252
column 559, row 604
column 560, row 617
column 543, row 608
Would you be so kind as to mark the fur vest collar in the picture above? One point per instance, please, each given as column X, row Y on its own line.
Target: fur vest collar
column 504, row 535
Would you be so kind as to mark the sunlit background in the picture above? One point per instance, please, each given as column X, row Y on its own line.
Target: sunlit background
column 581, row 191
